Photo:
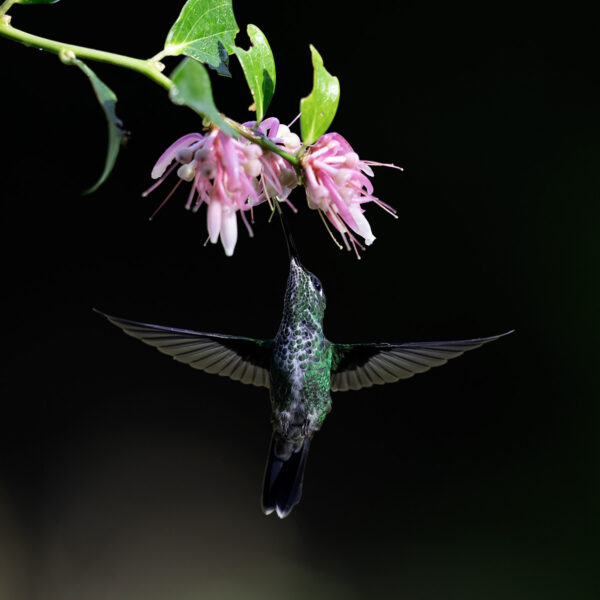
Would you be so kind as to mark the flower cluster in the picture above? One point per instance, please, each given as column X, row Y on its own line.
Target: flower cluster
column 228, row 175
column 337, row 186
column 231, row 176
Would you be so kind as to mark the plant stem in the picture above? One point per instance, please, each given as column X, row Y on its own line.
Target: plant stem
column 5, row 7
column 150, row 69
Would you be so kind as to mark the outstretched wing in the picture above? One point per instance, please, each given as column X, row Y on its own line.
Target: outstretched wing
column 357, row 366
column 239, row 358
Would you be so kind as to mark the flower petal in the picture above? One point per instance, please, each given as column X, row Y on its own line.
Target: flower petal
column 229, row 231
column 362, row 225
column 168, row 156
column 214, row 214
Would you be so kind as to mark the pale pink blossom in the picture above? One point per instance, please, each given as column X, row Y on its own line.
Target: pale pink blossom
column 337, row 186
column 223, row 173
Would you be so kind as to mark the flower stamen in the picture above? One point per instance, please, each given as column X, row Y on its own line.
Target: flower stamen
column 165, row 200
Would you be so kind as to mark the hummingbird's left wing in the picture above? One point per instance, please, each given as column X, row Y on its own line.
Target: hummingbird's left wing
column 356, row 366
column 239, row 358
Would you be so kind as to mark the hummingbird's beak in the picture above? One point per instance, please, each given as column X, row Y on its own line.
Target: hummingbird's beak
column 293, row 253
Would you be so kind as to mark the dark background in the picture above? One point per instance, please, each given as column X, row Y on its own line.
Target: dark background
column 126, row 475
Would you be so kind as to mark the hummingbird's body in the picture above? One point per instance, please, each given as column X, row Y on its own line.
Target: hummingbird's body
column 300, row 367
column 300, row 370
column 300, row 384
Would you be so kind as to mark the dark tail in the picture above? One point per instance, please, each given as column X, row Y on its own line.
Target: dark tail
column 283, row 478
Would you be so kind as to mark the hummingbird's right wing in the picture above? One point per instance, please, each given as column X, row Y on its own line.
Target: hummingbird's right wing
column 356, row 366
column 239, row 358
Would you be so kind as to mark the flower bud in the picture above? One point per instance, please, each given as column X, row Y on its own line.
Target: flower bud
column 202, row 154
column 187, row 172
column 208, row 170
column 184, row 155
column 253, row 167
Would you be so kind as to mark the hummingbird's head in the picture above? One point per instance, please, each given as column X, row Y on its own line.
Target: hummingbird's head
column 304, row 295
column 304, row 298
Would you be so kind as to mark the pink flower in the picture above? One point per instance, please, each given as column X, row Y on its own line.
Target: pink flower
column 337, row 186
column 278, row 177
column 223, row 173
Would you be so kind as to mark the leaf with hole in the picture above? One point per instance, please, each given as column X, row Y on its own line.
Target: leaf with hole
column 258, row 65
column 205, row 30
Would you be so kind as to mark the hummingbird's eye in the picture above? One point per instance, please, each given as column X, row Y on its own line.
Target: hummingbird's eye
column 317, row 284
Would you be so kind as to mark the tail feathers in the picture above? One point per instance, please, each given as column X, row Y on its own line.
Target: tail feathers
column 283, row 479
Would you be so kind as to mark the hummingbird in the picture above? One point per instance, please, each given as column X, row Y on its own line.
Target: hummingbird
column 300, row 367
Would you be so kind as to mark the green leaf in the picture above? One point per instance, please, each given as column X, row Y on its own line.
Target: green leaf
column 319, row 107
column 259, row 68
column 192, row 88
column 205, row 30
column 116, row 135
column 36, row 1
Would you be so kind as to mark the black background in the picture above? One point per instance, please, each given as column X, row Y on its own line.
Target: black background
column 127, row 475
